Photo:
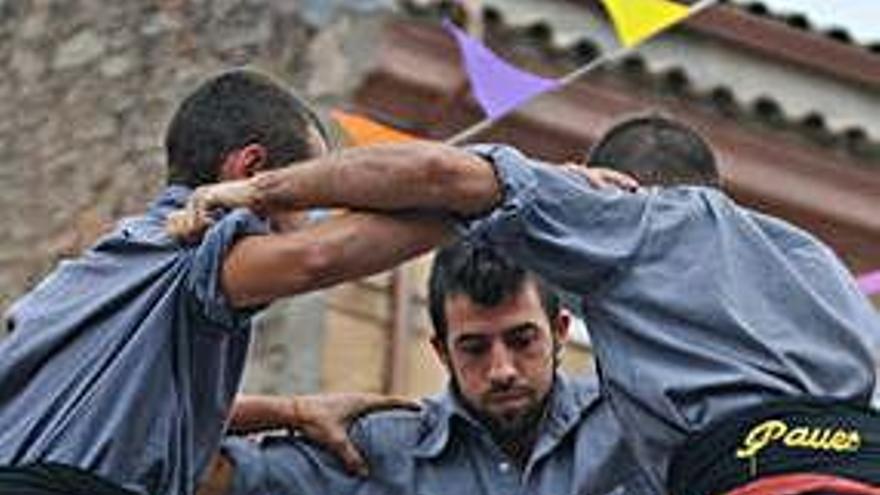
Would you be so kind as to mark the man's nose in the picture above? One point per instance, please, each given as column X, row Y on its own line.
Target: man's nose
column 501, row 366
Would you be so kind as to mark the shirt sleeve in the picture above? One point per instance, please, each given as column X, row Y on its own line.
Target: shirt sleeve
column 697, row 309
column 250, row 473
column 207, row 265
column 285, row 465
column 557, row 225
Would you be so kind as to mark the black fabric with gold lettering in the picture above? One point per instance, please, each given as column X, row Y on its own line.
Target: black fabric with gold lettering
column 54, row 479
column 797, row 436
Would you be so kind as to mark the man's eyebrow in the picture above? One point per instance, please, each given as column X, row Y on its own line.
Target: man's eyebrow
column 528, row 325
column 470, row 336
column 464, row 335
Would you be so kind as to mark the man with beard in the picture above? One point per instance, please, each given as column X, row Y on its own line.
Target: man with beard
column 705, row 316
column 509, row 421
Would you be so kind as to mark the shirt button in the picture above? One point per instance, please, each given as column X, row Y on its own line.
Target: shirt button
column 504, row 467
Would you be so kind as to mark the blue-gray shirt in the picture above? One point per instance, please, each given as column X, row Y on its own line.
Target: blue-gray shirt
column 124, row 361
column 696, row 307
column 442, row 450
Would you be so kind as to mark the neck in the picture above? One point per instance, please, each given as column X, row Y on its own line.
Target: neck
column 518, row 446
column 517, row 438
column 517, row 441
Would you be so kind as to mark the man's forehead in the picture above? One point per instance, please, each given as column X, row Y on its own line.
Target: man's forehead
column 466, row 317
column 526, row 296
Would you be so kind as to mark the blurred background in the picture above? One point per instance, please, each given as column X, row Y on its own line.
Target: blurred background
column 788, row 91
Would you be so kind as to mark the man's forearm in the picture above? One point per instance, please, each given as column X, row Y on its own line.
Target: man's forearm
column 260, row 269
column 420, row 175
column 254, row 413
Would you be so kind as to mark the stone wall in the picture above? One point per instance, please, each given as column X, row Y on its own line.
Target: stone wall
column 87, row 86
column 86, row 90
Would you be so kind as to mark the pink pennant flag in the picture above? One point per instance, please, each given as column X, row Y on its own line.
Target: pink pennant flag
column 498, row 86
column 870, row 283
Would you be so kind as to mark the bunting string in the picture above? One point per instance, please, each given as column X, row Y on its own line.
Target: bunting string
column 625, row 50
column 500, row 88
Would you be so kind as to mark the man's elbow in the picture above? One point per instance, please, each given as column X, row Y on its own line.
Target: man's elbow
column 460, row 182
column 319, row 263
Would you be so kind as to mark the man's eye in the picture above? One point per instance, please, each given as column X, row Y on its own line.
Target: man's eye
column 473, row 347
column 520, row 338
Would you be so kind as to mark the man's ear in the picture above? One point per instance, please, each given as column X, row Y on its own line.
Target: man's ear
column 562, row 325
column 440, row 350
column 244, row 162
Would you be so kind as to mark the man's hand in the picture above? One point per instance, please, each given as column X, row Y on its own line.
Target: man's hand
column 191, row 222
column 323, row 418
column 600, row 177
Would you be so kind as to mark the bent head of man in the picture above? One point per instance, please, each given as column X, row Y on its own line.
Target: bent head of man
column 657, row 151
column 498, row 330
column 236, row 124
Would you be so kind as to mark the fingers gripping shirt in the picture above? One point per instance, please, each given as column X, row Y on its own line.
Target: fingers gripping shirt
column 124, row 362
column 444, row 449
column 696, row 306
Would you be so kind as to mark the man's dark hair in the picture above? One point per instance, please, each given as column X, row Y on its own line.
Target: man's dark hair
column 229, row 112
column 657, row 151
column 483, row 274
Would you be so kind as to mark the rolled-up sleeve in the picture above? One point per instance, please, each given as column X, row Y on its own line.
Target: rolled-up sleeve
column 207, row 267
column 285, row 464
column 556, row 224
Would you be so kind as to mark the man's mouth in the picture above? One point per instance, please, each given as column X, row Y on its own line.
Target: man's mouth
column 509, row 396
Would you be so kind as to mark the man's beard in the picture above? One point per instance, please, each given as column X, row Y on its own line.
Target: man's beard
column 521, row 427
column 517, row 425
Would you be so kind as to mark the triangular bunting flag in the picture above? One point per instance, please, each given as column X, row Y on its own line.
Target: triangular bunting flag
column 497, row 86
column 870, row 283
column 364, row 131
column 638, row 20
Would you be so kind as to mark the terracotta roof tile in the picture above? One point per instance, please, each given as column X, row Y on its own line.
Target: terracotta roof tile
column 538, row 33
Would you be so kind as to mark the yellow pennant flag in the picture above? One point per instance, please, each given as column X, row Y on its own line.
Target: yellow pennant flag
column 638, row 20
column 364, row 131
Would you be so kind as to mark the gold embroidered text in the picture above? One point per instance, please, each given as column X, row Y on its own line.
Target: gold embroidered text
column 803, row 437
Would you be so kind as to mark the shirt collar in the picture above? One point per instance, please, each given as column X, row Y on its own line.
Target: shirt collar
column 172, row 197
column 567, row 404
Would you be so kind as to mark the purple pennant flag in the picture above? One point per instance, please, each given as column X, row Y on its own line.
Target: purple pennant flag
column 870, row 283
column 498, row 86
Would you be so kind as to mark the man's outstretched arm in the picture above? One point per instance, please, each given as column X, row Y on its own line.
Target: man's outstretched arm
column 428, row 177
column 323, row 419
column 260, row 269
column 418, row 175
column 396, row 177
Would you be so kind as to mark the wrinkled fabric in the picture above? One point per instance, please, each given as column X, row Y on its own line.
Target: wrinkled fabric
column 124, row 362
column 696, row 307
column 443, row 450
